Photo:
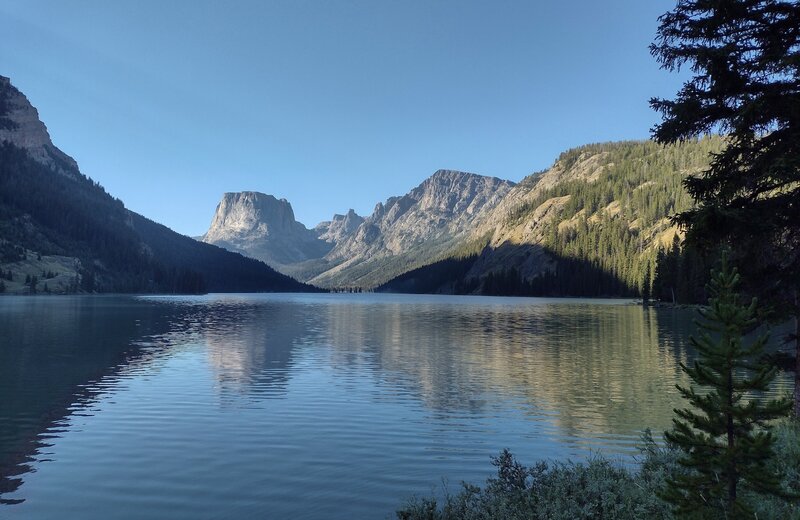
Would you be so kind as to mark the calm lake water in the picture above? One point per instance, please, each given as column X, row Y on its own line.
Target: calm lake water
column 312, row 406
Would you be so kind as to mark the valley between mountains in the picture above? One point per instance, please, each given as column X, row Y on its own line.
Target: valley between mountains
column 593, row 224
column 596, row 223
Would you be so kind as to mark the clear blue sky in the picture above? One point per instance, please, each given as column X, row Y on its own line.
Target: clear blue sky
column 330, row 104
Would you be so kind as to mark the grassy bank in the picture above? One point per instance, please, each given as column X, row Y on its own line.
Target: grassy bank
column 597, row 488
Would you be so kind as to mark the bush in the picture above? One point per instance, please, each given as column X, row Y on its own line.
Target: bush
column 597, row 488
column 555, row 490
column 787, row 462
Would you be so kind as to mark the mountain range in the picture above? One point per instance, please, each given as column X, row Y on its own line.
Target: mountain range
column 596, row 223
column 592, row 224
column 352, row 251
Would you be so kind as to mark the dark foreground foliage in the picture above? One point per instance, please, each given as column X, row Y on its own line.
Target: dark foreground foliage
column 598, row 488
column 743, row 56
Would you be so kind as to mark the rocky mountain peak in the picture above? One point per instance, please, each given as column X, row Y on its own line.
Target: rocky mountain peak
column 339, row 227
column 452, row 191
column 412, row 228
column 20, row 125
column 449, row 176
column 349, row 249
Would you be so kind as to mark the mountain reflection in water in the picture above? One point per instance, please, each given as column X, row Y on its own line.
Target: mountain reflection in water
column 238, row 404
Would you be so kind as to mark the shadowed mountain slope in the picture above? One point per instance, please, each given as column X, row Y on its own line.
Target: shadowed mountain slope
column 49, row 210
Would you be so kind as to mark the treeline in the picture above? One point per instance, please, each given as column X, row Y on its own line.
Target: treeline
column 644, row 177
column 444, row 276
column 221, row 270
column 678, row 275
column 55, row 214
column 607, row 258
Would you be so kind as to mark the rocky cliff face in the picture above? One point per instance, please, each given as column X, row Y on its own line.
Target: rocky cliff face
column 339, row 228
column 263, row 227
column 20, row 125
column 412, row 229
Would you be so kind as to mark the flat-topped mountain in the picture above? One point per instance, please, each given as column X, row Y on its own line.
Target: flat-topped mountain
column 263, row 227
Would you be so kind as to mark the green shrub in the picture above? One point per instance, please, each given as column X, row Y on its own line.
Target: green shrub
column 787, row 462
column 555, row 490
column 597, row 488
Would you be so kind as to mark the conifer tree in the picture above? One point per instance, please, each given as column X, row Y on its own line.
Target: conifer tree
column 744, row 56
column 725, row 436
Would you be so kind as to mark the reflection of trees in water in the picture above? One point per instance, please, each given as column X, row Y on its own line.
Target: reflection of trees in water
column 593, row 368
column 590, row 368
column 56, row 349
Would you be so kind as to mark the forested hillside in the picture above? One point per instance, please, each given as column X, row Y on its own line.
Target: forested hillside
column 51, row 214
column 596, row 224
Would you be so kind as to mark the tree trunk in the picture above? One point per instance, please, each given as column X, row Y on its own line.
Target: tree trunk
column 796, row 355
column 733, row 477
column 796, row 362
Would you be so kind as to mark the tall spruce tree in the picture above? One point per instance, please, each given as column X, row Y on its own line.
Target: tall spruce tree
column 725, row 436
column 745, row 60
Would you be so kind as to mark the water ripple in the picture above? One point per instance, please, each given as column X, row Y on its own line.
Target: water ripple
column 312, row 406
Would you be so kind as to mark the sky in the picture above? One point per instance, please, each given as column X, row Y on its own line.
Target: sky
column 329, row 104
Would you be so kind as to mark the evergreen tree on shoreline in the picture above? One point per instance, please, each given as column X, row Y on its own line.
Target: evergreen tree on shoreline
column 725, row 435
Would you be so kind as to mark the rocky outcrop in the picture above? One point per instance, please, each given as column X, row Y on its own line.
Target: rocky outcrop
column 20, row 125
column 263, row 227
column 339, row 228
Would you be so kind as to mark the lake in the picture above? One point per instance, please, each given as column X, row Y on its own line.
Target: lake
column 313, row 406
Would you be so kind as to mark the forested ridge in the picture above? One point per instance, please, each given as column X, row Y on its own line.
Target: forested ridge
column 609, row 239
column 610, row 233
